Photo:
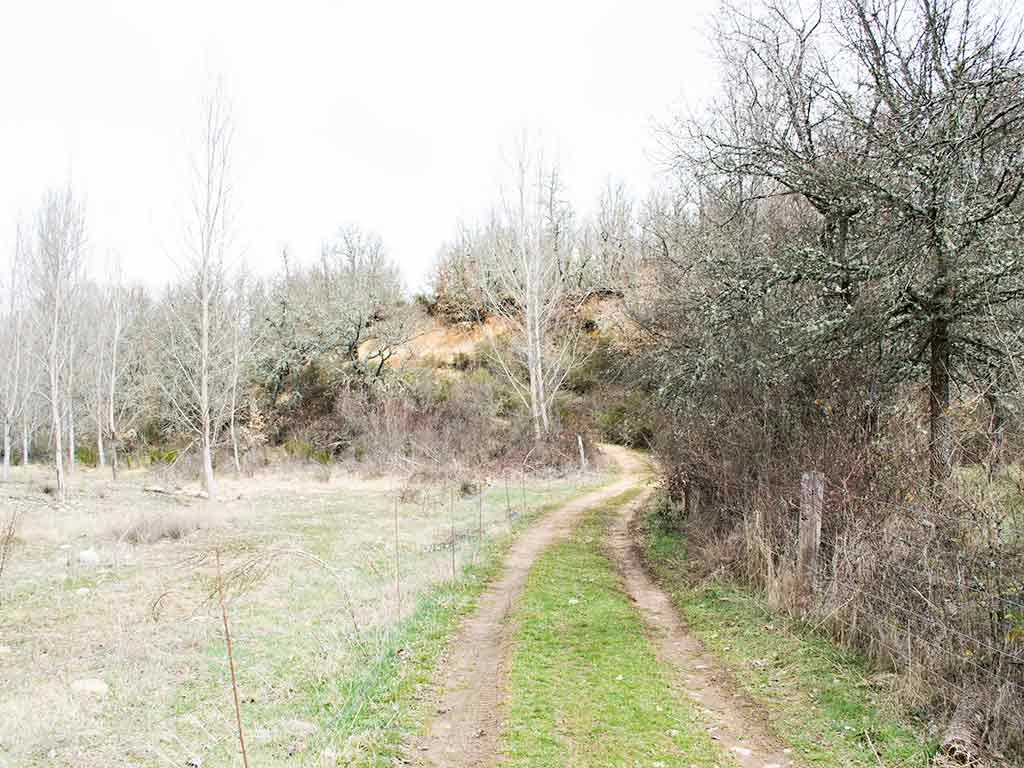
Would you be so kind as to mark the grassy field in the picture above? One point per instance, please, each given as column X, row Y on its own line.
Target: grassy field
column 585, row 688
column 819, row 698
column 111, row 650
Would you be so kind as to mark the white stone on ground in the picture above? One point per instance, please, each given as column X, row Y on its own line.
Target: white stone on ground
column 89, row 556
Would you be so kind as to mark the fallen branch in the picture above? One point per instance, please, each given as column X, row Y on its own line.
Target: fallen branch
column 963, row 741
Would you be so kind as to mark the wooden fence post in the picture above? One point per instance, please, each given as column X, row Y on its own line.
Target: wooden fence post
column 451, row 515
column 523, row 487
column 812, row 499
column 508, row 503
column 691, row 499
column 480, row 517
column 398, row 566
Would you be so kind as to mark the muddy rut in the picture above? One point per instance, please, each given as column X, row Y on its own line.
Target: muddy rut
column 731, row 720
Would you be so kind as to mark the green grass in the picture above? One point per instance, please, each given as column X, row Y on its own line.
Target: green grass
column 363, row 697
column 817, row 695
column 585, row 688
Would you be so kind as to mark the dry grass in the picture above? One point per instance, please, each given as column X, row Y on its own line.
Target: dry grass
column 140, row 618
column 148, row 527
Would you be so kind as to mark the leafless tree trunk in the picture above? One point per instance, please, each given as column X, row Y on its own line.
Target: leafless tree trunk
column 243, row 342
column 236, row 362
column 113, row 427
column 101, row 455
column 12, row 342
column 69, row 390
column 25, row 439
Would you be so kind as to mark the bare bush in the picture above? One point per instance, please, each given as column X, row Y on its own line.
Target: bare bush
column 8, row 531
column 170, row 524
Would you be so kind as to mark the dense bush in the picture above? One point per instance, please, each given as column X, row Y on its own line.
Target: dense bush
column 159, row 454
column 86, row 455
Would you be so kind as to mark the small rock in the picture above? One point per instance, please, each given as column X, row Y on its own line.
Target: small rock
column 64, row 546
column 741, row 751
column 328, row 758
column 91, row 686
column 573, row 601
column 4, row 649
column 82, row 591
column 194, row 762
column 89, row 557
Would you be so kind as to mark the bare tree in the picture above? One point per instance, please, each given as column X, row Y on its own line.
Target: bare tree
column 525, row 283
column 13, row 344
column 108, row 314
column 196, row 336
column 609, row 246
column 73, row 330
column 124, row 358
column 243, row 341
column 57, row 265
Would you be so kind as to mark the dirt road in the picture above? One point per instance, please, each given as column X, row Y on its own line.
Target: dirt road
column 471, row 687
column 468, row 708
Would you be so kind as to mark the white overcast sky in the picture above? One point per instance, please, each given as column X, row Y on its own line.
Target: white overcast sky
column 392, row 115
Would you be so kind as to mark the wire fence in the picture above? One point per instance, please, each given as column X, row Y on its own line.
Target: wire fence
column 929, row 584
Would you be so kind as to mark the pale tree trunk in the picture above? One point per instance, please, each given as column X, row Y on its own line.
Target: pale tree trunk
column 234, row 445
column 7, row 450
column 207, row 459
column 534, row 370
column 235, row 363
column 542, row 395
column 101, row 457
column 71, row 438
column 12, row 348
column 24, row 435
column 58, row 444
column 56, row 423
column 115, row 341
column 206, row 448
column 69, row 410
